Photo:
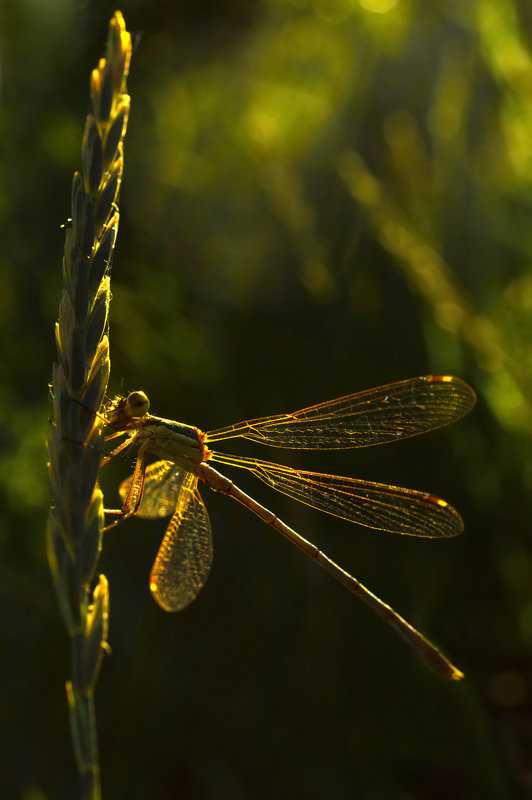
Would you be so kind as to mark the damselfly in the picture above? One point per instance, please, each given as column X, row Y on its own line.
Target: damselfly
column 169, row 487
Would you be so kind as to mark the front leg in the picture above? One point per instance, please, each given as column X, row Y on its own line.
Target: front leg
column 134, row 495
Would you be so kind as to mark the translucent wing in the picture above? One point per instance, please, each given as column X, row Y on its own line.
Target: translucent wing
column 185, row 555
column 162, row 485
column 385, row 414
column 375, row 505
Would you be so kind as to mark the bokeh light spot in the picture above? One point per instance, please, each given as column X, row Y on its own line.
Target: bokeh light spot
column 378, row 6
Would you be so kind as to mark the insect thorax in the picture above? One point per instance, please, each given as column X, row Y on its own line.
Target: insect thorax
column 173, row 441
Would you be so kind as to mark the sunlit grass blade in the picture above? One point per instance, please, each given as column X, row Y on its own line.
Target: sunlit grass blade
column 76, row 517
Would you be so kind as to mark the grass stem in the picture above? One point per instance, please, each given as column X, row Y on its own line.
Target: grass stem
column 80, row 376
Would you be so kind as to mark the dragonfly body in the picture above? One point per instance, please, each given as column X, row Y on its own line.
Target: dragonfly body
column 170, row 485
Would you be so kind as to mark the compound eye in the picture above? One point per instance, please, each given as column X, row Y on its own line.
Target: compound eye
column 137, row 404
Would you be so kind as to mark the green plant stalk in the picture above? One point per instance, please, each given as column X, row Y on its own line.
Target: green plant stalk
column 76, row 517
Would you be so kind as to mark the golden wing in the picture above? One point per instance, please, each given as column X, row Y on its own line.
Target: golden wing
column 376, row 505
column 162, row 485
column 184, row 559
column 376, row 416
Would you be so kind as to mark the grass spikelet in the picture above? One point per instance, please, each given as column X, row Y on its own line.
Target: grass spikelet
column 76, row 518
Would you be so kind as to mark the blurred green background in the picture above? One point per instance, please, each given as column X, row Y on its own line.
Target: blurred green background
column 319, row 196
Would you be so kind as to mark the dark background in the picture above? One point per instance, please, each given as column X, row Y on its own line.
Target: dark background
column 261, row 266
